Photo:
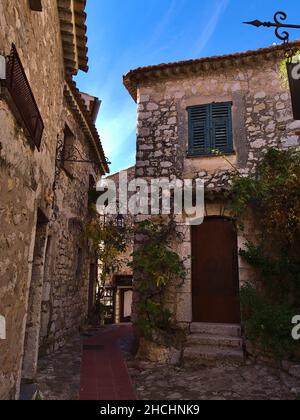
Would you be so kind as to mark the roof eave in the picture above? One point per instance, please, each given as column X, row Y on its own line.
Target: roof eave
column 154, row 73
column 85, row 120
column 72, row 18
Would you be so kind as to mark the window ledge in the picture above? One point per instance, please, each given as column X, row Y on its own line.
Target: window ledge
column 210, row 156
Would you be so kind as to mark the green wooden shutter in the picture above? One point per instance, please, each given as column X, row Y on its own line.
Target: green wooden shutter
column 221, row 127
column 199, row 130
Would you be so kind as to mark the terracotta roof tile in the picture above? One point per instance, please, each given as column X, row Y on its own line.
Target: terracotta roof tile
column 87, row 115
column 134, row 77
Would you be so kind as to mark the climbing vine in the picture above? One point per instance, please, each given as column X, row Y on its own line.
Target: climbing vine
column 108, row 243
column 273, row 194
column 158, row 267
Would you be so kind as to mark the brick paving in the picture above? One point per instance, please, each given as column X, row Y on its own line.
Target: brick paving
column 89, row 367
column 104, row 374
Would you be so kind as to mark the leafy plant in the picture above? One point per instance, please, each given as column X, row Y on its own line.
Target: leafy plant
column 268, row 324
column 108, row 242
column 157, row 267
column 273, row 193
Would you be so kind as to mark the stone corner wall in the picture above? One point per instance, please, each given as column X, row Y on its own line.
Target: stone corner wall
column 262, row 118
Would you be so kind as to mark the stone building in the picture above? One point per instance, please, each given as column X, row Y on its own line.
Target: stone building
column 50, row 156
column 119, row 287
column 238, row 105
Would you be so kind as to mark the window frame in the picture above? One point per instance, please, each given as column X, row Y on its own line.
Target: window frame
column 209, row 139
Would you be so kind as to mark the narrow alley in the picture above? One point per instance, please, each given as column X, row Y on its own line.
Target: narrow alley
column 99, row 366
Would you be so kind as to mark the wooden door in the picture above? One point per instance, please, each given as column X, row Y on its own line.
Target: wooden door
column 215, row 272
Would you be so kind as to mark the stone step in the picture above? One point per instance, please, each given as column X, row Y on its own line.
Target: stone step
column 214, row 340
column 211, row 356
column 223, row 330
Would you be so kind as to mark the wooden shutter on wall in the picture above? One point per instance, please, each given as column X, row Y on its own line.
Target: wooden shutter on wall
column 221, row 119
column 19, row 89
column 198, row 130
column 210, row 128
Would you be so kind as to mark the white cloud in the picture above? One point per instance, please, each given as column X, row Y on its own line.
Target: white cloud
column 116, row 130
column 211, row 26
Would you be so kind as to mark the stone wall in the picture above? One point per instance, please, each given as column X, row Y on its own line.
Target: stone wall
column 68, row 257
column 262, row 118
column 26, row 174
column 122, row 265
column 32, row 211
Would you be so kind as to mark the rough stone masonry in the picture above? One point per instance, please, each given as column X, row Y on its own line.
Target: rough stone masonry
column 262, row 118
column 45, row 265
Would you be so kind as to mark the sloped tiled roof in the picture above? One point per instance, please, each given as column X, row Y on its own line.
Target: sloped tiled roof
column 84, row 118
column 185, row 68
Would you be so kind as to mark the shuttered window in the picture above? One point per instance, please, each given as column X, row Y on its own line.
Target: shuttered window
column 18, row 86
column 210, row 128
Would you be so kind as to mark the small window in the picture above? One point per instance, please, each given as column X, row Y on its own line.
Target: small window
column 68, row 150
column 210, row 128
column 36, row 5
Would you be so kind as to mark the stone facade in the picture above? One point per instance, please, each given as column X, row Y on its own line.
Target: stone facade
column 262, row 118
column 43, row 207
column 123, row 270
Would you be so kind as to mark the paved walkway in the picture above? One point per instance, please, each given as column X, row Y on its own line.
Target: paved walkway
column 104, row 374
column 58, row 374
column 99, row 372
column 251, row 382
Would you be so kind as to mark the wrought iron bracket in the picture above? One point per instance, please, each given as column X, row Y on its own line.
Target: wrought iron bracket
column 278, row 24
column 71, row 154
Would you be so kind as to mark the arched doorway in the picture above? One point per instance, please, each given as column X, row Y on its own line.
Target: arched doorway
column 215, row 273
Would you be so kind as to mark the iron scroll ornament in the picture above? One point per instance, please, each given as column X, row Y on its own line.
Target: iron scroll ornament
column 279, row 23
column 71, row 154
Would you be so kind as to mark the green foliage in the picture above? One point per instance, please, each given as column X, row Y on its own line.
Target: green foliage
column 268, row 324
column 108, row 242
column 241, row 194
column 158, row 267
column 273, row 193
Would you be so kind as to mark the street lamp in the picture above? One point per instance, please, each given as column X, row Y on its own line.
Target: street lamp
column 120, row 220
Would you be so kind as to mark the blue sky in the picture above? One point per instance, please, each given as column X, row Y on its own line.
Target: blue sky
column 125, row 34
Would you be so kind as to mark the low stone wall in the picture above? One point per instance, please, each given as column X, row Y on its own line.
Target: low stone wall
column 156, row 353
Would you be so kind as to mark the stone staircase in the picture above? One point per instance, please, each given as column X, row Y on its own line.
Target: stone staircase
column 213, row 344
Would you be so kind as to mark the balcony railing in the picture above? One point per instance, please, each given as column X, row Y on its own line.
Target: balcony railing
column 22, row 96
